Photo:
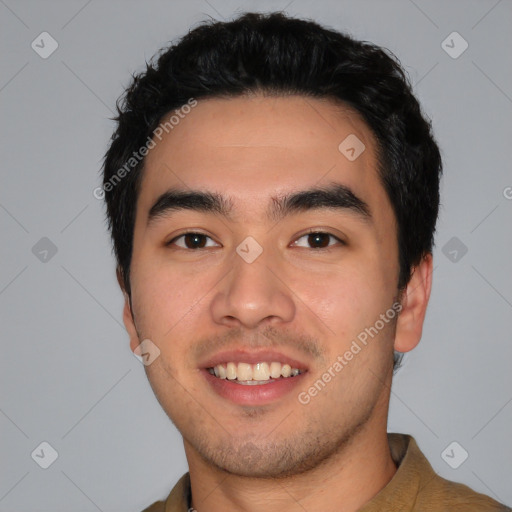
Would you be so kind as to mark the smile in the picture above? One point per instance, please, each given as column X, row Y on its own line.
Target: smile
column 254, row 374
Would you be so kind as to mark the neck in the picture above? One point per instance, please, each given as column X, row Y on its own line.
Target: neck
column 343, row 483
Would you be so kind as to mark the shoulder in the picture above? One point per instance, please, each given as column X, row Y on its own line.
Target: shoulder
column 444, row 495
column 158, row 506
column 177, row 501
column 417, row 487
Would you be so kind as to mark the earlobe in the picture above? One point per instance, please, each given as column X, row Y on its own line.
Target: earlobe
column 414, row 306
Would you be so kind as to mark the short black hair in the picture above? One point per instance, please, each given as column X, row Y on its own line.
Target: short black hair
column 273, row 54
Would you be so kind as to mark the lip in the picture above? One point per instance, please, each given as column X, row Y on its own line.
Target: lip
column 259, row 394
column 243, row 356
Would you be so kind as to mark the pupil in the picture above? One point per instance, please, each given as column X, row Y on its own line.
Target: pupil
column 319, row 239
column 194, row 241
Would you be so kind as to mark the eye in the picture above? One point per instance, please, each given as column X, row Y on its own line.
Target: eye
column 192, row 241
column 317, row 240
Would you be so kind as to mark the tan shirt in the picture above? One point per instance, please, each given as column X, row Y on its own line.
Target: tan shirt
column 415, row 487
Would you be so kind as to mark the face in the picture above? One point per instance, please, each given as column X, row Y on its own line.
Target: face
column 252, row 282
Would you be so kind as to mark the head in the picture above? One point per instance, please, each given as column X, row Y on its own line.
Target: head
column 312, row 144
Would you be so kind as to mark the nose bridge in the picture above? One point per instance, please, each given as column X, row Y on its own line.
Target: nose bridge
column 251, row 292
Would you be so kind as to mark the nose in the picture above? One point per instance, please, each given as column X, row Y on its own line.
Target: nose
column 253, row 293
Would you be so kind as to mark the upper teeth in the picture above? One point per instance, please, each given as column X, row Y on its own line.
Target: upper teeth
column 258, row 372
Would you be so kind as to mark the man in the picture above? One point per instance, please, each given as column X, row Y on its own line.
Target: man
column 272, row 189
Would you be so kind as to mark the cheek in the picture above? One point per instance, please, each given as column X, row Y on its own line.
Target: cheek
column 165, row 301
column 347, row 299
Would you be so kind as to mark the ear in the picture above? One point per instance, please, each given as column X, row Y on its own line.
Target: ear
column 128, row 319
column 414, row 306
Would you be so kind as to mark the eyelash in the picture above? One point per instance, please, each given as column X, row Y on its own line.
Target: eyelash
column 312, row 232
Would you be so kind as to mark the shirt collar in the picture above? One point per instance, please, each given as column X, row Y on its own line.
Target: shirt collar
column 413, row 474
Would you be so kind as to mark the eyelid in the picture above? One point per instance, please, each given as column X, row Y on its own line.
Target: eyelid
column 321, row 231
column 189, row 232
column 306, row 233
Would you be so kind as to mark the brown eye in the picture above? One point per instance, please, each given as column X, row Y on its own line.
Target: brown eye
column 317, row 240
column 192, row 241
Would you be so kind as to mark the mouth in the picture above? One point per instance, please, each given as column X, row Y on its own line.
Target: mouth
column 258, row 374
column 253, row 379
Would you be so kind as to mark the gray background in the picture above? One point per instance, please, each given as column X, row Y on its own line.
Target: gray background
column 67, row 374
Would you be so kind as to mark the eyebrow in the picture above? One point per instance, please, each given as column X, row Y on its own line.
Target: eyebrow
column 332, row 196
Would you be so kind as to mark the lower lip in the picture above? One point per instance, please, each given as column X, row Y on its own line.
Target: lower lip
column 258, row 394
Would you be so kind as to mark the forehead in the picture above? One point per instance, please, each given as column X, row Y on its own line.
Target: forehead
column 250, row 148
